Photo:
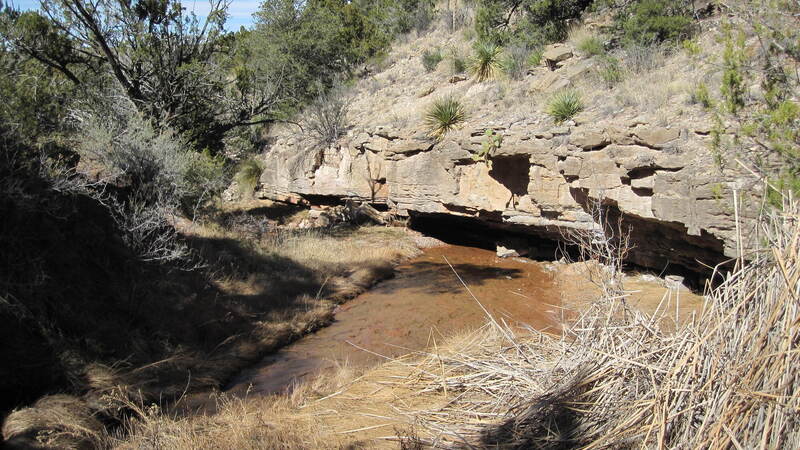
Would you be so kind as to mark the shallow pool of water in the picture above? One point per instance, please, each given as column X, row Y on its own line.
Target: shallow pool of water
column 424, row 302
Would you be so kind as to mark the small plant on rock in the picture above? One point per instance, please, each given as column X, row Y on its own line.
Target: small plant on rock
column 326, row 117
column 431, row 59
column 492, row 142
column 486, row 62
column 443, row 116
column 591, row 45
column 564, row 105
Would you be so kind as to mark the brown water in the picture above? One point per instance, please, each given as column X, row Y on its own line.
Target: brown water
column 424, row 301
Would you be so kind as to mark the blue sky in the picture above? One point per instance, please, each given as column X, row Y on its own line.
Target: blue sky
column 240, row 11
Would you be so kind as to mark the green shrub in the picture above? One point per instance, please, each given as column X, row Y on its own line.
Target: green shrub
column 591, row 45
column 610, row 71
column 443, row 116
column 486, row 63
column 247, row 175
column 701, row 96
column 691, row 47
column 535, row 57
column 431, row 59
column 534, row 21
column 564, row 105
column 515, row 63
column 647, row 21
column 785, row 183
column 733, row 59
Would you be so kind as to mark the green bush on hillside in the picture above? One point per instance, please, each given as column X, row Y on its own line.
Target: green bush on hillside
column 248, row 174
column 458, row 64
column 591, row 45
column 648, row 21
column 431, row 59
column 515, row 62
column 610, row 71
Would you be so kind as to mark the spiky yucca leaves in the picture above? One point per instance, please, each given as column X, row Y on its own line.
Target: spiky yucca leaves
column 486, row 62
column 443, row 116
column 564, row 105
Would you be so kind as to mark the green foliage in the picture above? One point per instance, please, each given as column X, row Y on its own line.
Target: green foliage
column 591, row 45
column 248, row 174
column 535, row 57
column 443, row 116
column 515, row 62
column 702, row 96
column 717, row 133
column 486, row 61
column 172, row 65
column 648, row 21
column 431, row 59
column 718, row 191
column 564, row 105
column 492, row 141
column 733, row 59
column 526, row 22
column 780, row 186
column 691, row 47
column 610, row 71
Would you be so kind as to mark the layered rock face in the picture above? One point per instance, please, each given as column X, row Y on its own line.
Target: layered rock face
column 659, row 176
column 661, row 180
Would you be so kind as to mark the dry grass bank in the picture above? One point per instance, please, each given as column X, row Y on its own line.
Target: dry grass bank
column 264, row 287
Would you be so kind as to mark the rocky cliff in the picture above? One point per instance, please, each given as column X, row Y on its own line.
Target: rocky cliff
column 641, row 147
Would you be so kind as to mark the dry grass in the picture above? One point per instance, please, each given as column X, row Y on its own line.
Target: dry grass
column 618, row 378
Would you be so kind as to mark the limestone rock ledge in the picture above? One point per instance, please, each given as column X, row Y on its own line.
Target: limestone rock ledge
column 662, row 180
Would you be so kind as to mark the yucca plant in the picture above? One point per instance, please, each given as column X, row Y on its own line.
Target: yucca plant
column 443, row 116
column 486, row 62
column 564, row 105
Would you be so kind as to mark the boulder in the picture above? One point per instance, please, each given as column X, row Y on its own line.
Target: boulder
column 556, row 53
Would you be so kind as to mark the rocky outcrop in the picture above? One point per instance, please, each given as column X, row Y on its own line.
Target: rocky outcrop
column 660, row 180
column 657, row 175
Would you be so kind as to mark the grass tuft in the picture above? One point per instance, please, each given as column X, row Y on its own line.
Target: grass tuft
column 610, row 71
column 564, row 105
column 591, row 46
column 443, row 116
column 431, row 59
column 486, row 62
